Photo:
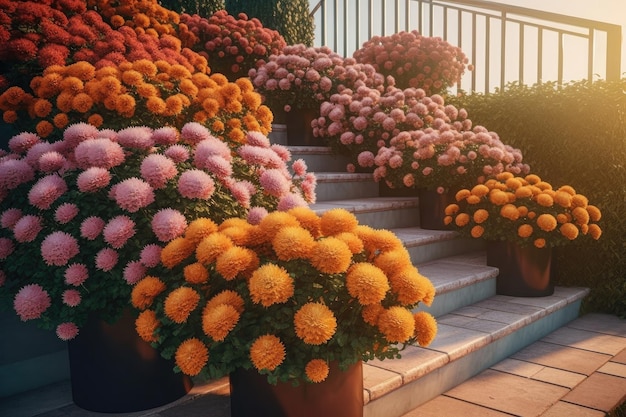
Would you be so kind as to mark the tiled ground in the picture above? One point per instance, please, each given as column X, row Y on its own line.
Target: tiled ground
column 576, row 371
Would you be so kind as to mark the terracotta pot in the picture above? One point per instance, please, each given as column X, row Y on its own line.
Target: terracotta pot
column 432, row 205
column 340, row 395
column 524, row 271
column 299, row 130
column 114, row 371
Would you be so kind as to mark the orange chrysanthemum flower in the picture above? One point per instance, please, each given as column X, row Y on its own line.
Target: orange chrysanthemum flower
column 504, row 176
column 451, row 209
column 513, row 183
column 579, row 200
column 425, row 328
column 546, row 222
column 155, row 105
column 594, row 213
column 524, row 231
column 9, row 116
column 479, row 190
column 540, row 243
column 509, row 211
column 447, row 220
column 396, row 324
column 462, row 219
column 544, row 186
column 308, row 219
column 393, row 260
column 146, row 90
column 270, row 284
column 354, row 243
column 331, row 256
column 229, row 297
column 61, row 120
column 200, row 228
column 462, row 194
column 480, row 216
column 409, row 285
column 95, row 120
column 173, row 106
column 563, row 198
column 44, row 128
column 371, row 313
column 569, row 230
column 477, row 231
column 125, row 104
column 237, row 135
column 523, row 211
column 82, row 102
column 42, row 107
column 146, row 324
column 211, row 246
column 235, row 261
column 132, row 77
column 240, row 235
column 293, row 242
column 367, row 283
column 145, row 67
column 336, row 221
column 145, row 291
column 191, row 356
column 385, row 240
column 218, row 320
column 251, row 99
column 179, row 72
column 317, row 370
column 275, row 221
column 545, row 200
column 581, row 215
column 524, row 192
column 267, row 352
column 196, row 273
column 595, row 231
column 498, row 197
column 180, row 303
column 315, row 323
column 176, row 251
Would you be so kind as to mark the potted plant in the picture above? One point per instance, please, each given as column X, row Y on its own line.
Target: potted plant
column 522, row 218
column 289, row 295
column 414, row 60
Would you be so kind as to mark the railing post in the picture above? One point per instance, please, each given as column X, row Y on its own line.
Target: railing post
column 613, row 54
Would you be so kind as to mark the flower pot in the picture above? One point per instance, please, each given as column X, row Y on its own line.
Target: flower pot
column 299, row 129
column 525, row 271
column 432, row 205
column 340, row 395
column 113, row 370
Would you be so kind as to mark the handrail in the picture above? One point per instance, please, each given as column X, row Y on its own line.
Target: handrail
column 485, row 31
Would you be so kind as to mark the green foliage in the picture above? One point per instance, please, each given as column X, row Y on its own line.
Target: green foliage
column 203, row 8
column 291, row 18
column 576, row 135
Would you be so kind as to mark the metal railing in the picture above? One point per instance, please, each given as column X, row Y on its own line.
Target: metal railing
column 504, row 43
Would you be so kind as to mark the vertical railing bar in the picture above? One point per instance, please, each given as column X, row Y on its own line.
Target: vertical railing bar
column 459, row 38
column 590, row 53
column 345, row 25
column 521, row 53
column 431, row 18
column 357, row 39
column 540, row 55
column 370, row 30
column 560, row 64
column 383, row 14
column 487, row 50
column 420, row 17
column 445, row 23
column 397, row 17
column 474, row 53
column 613, row 53
column 336, row 33
column 407, row 15
column 323, row 24
column 503, row 50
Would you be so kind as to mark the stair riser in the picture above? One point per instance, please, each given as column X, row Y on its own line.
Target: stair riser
column 389, row 219
column 452, row 300
column 336, row 190
column 442, row 249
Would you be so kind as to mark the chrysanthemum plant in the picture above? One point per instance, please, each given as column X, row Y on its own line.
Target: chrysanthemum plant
column 524, row 210
column 284, row 293
column 83, row 218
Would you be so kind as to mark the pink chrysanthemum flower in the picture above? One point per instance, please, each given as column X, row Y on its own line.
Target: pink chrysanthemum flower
column 10, row 217
column 118, row 230
column 31, row 301
column 67, row 331
column 218, row 166
column 14, row 172
column 77, row 133
column 241, row 192
column 196, row 183
column 76, row 274
column 65, row 213
column 133, row 194
column 150, row 255
column 109, row 134
column 93, row 179
column 299, row 167
column 282, row 151
column 166, row 135
column 34, row 153
column 157, row 169
column 51, row 161
column 91, row 227
column 137, row 137
column 58, row 248
column 106, row 259
column 266, row 157
column 210, row 147
column 6, row 247
column 46, row 191
column 194, row 133
column 256, row 214
column 22, row 142
column 133, row 272
column 100, row 152
column 177, row 153
column 274, row 182
column 257, row 139
column 168, row 224
column 71, row 298
column 27, row 228
column 289, row 201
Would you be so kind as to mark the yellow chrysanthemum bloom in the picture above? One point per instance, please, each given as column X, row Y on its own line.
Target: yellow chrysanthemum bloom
column 479, row 190
column 236, row 260
column 219, row 320
column 315, row 323
column 579, row 200
column 396, row 324
column 545, row 200
column 275, row 221
column 462, row 219
column 477, row 231
column 145, row 291
column 191, row 356
column 176, row 251
column 211, row 246
column 367, row 283
column 270, row 284
column 462, row 194
column 425, row 328
column 498, row 197
column 525, row 230
column 370, row 313
column 563, row 198
column 317, row 370
column 594, row 231
column 480, row 216
column 524, row 191
column 594, row 213
column 409, row 285
column 180, row 303
column 336, row 221
column 581, row 215
column 229, row 297
column 509, row 211
column 393, row 260
column 293, row 242
column 354, row 243
column 546, row 222
column 200, row 228
column 146, row 324
column 267, row 352
column 451, row 209
column 331, row 256
column 569, row 230
column 540, row 243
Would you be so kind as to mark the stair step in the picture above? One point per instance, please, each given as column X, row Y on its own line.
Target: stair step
column 469, row 340
column 344, row 185
column 320, row 158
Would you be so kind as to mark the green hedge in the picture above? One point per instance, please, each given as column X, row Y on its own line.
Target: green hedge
column 575, row 135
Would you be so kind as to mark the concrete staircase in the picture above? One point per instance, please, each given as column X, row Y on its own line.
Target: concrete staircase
column 477, row 328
